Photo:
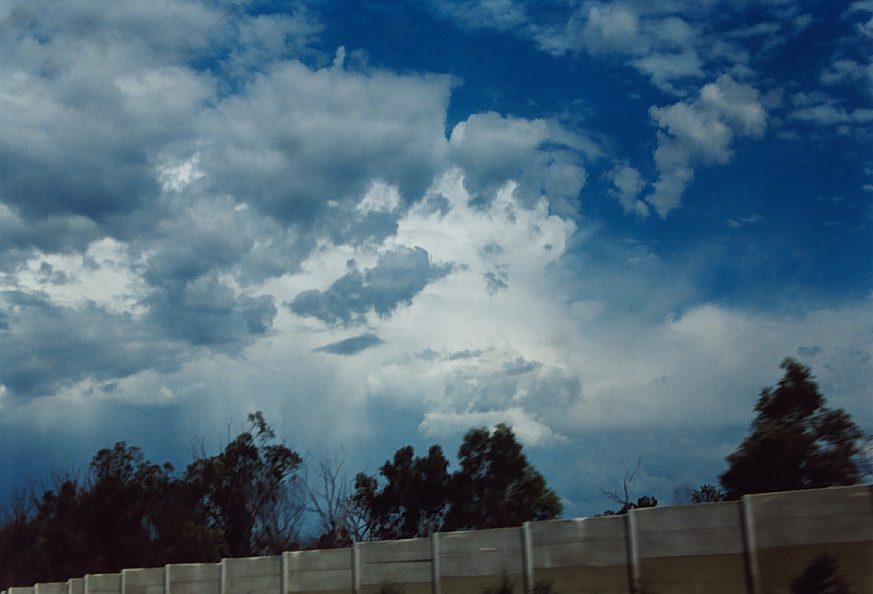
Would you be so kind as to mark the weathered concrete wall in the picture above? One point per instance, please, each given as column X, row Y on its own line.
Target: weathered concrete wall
column 142, row 581
column 581, row 556
column 791, row 529
column 103, row 583
column 404, row 564
column 753, row 546
column 254, row 575
column 192, row 578
column 318, row 571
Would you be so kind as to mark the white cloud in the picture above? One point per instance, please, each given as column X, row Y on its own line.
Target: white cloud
column 628, row 185
column 610, row 28
column 299, row 136
column 701, row 130
column 493, row 149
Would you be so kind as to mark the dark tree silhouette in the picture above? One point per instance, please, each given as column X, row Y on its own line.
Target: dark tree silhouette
column 496, row 486
column 796, row 442
column 250, row 492
column 411, row 500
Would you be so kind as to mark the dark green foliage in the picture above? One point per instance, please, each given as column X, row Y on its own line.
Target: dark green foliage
column 130, row 512
column 707, row 493
column 494, row 487
column 796, row 442
column 247, row 492
column 821, row 576
column 412, row 501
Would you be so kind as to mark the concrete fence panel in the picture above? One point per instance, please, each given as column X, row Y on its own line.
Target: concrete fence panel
column 475, row 560
column 192, row 578
column 754, row 546
column 103, row 583
column 403, row 564
column 318, row 572
column 253, row 575
column 698, row 548
column 142, row 581
column 581, row 556
column 792, row 529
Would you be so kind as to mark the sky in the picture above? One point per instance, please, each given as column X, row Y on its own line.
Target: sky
column 602, row 223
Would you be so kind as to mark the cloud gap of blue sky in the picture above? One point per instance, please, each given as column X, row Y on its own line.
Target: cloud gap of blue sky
column 604, row 223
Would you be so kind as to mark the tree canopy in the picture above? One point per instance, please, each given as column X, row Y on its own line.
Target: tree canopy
column 795, row 442
column 495, row 486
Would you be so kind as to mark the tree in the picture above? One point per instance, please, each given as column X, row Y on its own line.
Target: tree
column 796, row 442
column 623, row 498
column 330, row 501
column 495, row 486
column 411, row 500
column 707, row 493
column 250, row 492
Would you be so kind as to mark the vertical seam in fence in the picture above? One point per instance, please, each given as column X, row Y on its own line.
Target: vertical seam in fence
column 356, row 568
column 527, row 557
column 85, row 585
column 750, row 545
column 282, row 573
column 166, row 584
column 435, row 569
column 123, row 581
column 633, row 553
column 222, row 577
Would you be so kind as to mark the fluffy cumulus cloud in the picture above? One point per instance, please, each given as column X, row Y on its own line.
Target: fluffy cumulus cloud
column 395, row 280
column 205, row 212
column 542, row 156
column 627, row 186
column 701, row 130
column 298, row 138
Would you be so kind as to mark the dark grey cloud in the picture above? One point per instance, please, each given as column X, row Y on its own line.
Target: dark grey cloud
column 543, row 157
column 396, row 279
column 298, row 138
column 97, row 97
column 495, row 280
column 207, row 312
column 45, row 346
column 353, row 345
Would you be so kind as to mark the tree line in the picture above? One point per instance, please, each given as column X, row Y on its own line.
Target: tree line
column 251, row 498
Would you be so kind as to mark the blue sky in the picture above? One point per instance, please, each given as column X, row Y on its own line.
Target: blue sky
column 604, row 223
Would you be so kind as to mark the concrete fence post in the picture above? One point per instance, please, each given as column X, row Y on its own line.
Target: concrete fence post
column 222, row 577
column 435, row 569
column 634, row 574
column 750, row 546
column 527, row 558
column 167, row 578
column 356, row 567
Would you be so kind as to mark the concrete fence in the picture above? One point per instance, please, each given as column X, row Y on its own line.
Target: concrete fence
column 754, row 546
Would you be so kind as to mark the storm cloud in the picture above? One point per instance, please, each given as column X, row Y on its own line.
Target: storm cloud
column 396, row 279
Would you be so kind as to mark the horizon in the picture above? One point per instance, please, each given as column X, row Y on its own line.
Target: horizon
column 604, row 224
